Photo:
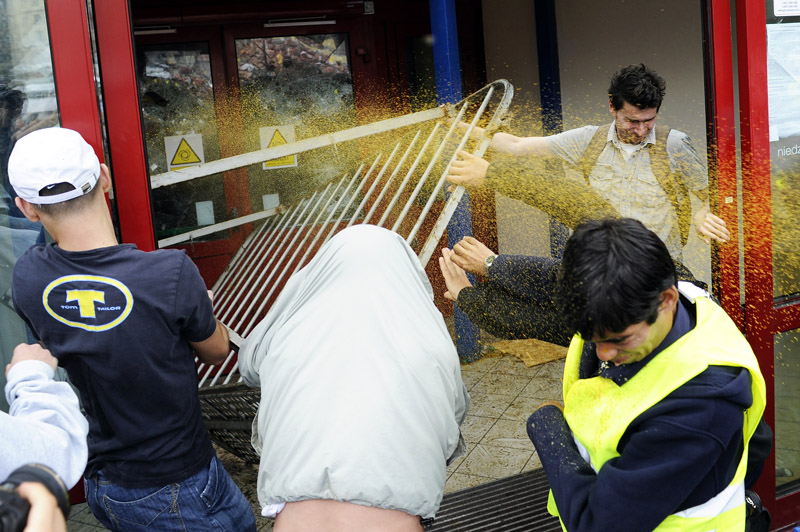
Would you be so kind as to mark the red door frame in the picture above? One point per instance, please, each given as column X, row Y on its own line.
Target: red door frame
column 74, row 74
column 722, row 142
column 125, row 134
column 72, row 66
column 761, row 318
column 78, row 105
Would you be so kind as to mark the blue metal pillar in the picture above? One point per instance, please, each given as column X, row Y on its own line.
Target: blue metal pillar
column 447, row 71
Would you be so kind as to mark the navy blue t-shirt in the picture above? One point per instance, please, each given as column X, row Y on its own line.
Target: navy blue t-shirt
column 118, row 320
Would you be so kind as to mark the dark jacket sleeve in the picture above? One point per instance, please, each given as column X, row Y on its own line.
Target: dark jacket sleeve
column 760, row 447
column 516, row 300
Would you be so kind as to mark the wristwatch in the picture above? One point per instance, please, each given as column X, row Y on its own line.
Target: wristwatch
column 488, row 262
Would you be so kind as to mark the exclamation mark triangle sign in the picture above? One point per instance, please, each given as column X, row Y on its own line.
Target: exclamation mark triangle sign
column 278, row 139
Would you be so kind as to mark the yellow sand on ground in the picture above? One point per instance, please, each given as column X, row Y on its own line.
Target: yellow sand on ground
column 532, row 352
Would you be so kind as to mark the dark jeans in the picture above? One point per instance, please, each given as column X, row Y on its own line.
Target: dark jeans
column 209, row 500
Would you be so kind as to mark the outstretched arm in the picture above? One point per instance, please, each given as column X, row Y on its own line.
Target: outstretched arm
column 470, row 171
column 514, row 145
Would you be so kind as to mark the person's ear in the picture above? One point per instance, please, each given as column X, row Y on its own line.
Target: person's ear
column 611, row 108
column 669, row 298
column 27, row 209
column 105, row 178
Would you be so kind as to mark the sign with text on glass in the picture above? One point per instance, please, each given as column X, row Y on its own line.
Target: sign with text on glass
column 786, row 8
column 184, row 151
column 275, row 136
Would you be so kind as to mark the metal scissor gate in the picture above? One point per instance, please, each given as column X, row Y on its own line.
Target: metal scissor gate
column 402, row 190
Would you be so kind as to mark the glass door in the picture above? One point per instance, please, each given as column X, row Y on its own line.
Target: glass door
column 27, row 103
column 767, row 42
column 293, row 86
column 211, row 92
column 783, row 90
column 179, row 117
column 186, row 121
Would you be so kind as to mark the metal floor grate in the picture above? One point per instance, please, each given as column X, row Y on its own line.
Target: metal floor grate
column 516, row 503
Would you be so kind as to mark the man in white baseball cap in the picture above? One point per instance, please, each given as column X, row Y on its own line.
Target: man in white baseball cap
column 53, row 165
column 126, row 325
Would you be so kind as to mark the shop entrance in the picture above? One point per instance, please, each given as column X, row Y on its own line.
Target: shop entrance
column 215, row 84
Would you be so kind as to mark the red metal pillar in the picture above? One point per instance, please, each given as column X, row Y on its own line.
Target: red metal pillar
column 72, row 67
column 722, row 119
column 125, row 138
column 756, row 190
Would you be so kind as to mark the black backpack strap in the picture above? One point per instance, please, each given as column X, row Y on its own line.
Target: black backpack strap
column 672, row 184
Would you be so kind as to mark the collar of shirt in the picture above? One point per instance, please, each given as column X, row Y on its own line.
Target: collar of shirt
column 621, row 374
column 614, row 138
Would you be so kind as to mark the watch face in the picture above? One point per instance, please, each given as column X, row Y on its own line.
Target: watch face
column 489, row 260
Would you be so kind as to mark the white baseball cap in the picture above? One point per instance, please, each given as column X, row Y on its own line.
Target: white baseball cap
column 48, row 157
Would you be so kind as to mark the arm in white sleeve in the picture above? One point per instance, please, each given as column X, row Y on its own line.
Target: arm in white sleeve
column 44, row 424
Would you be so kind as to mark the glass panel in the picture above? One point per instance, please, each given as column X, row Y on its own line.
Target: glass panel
column 787, row 410
column 421, row 80
column 783, row 71
column 180, row 126
column 303, row 86
column 27, row 102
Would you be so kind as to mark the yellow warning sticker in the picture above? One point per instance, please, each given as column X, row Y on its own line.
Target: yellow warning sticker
column 184, row 155
column 277, row 136
column 184, row 150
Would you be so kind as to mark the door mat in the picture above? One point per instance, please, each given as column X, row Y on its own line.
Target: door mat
column 531, row 352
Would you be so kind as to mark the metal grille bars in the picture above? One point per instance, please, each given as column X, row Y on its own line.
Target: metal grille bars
column 401, row 191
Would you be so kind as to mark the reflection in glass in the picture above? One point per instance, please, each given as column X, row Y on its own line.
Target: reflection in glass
column 27, row 102
column 787, row 410
column 421, row 80
column 783, row 70
column 177, row 98
column 299, row 81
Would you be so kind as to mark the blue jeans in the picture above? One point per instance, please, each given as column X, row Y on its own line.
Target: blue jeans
column 209, row 500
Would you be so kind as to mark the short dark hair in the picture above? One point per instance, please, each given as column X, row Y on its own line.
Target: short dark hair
column 70, row 206
column 638, row 85
column 612, row 276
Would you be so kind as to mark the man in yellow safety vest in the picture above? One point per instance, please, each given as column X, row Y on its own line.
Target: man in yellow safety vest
column 662, row 394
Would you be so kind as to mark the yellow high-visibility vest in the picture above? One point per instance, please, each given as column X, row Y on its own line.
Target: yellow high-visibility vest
column 599, row 411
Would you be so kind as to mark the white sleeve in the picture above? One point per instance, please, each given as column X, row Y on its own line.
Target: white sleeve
column 44, row 424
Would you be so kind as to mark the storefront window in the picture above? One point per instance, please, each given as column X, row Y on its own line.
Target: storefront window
column 783, row 69
column 27, row 102
column 783, row 63
column 787, row 421
column 177, row 95
column 293, row 88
